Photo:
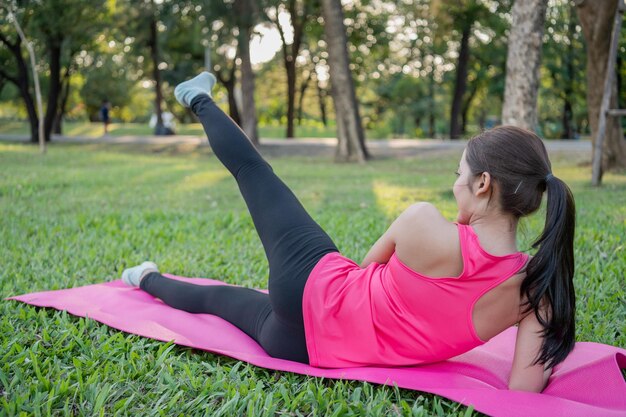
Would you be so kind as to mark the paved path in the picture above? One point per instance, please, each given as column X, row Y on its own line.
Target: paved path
column 305, row 146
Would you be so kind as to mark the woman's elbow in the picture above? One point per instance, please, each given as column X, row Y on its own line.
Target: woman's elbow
column 530, row 385
column 525, row 386
column 531, row 382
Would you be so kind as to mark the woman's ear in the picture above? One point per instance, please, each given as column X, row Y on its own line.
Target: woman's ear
column 482, row 183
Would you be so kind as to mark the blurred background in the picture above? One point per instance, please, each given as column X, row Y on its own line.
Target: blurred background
column 421, row 68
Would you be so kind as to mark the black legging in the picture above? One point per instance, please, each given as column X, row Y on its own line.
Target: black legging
column 293, row 244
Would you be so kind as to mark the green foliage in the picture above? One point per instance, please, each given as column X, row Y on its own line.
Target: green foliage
column 68, row 21
column 81, row 214
column 563, row 76
column 107, row 82
column 403, row 59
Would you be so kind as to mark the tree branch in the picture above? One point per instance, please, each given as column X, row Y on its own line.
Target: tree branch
column 298, row 28
column 281, row 33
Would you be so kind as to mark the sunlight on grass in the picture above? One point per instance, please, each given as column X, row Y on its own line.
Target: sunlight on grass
column 393, row 199
column 96, row 129
column 85, row 129
column 18, row 148
column 14, row 128
column 202, row 180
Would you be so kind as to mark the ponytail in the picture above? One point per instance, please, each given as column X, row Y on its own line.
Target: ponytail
column 549, row 276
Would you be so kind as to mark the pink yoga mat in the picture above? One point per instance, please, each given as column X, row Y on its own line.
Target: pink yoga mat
column 588, row 383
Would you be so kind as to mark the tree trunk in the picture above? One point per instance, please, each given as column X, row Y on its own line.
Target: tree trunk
column 159, row 129
column 57, row 124
column 303, row 87
column 229, row 84
column 596, row 19
column 568, row 128
column 568, row 114
column 290, row 67
column 467, row 104
column 399, row 128
column 351, row 141
column 482, row 118
column 417, row 121
column 248, row 106
column 321, row 95
column 431, row 103
column 460, row 83
column 619, row 64
column 522, row 64
column 54, row 87
column 21, row 82
column 290, row 53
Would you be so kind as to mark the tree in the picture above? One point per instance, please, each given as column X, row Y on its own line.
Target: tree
column 33, row 64
column 145, row 21
column 351, row 145
column 106, row 77
column 15, row 58
column 460, row 83
column 596, row 18
column 223, row 31
column 223, row 47
column 61, row 28
column 299, row 12
column 562, row 91
column 389, row 44
column 486, row 69
column 522, row 65
column 461, row 17
column 247, row 17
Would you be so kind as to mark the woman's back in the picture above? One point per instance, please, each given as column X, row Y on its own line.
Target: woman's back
column 429, row 245
column 390, row 314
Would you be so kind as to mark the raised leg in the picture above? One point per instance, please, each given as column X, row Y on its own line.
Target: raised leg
column 292, row 240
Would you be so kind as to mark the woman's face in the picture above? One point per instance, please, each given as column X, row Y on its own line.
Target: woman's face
column 465, row 199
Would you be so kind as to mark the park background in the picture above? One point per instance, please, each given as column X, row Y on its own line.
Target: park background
column 84, row 211
column 421, row 68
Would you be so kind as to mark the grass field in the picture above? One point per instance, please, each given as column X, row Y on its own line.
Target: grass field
column 87, row 129
column 83, row 213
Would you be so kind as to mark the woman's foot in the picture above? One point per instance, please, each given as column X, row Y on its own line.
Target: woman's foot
column 133, row 276
column 186, row 91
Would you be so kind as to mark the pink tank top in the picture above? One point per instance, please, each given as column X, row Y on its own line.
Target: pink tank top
column 390, row 315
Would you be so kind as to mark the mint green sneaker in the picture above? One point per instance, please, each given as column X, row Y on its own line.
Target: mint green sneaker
column 186, row 91
column 132, row 276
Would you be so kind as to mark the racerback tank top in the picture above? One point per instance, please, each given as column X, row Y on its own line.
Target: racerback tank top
column 390, row 315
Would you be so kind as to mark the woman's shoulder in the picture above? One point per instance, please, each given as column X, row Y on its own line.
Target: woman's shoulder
column 423, row 224
column 426, row 217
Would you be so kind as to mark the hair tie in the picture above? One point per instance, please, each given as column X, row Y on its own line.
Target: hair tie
column 549, row 177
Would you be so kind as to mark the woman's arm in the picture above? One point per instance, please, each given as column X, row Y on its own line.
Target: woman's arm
column 405, row 224
column 382, row 249
column 524, row 376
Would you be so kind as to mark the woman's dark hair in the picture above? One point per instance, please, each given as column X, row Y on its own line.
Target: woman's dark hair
column 518, row 163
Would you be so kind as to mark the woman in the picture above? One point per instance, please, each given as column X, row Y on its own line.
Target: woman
column 428, row 289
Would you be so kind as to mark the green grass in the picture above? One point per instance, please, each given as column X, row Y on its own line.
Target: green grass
column 83, row 213
column 308, row 129
column 142, row 129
